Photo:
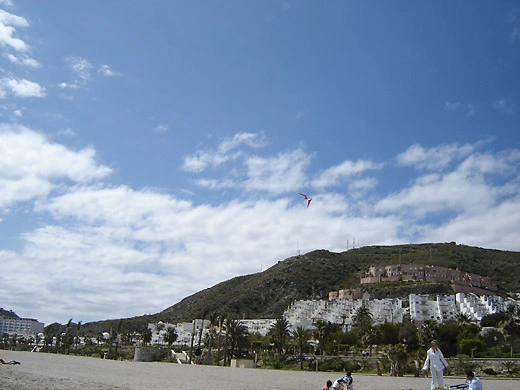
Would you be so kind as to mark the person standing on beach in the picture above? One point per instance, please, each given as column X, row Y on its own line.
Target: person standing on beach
column 436, row 363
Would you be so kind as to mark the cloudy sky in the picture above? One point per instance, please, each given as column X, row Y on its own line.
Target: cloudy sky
column 149, row 150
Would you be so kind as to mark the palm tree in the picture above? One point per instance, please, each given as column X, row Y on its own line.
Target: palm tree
column 76, row 338
column 238, row 336
column 146, row 335
column 117, row 338
column 213, row 320
column 320, row 333
column 370, row 337
column 171, row 336
column 221, row 320
column 302, row 337
column 427, row 332
column 68, row 339
column 463, row 318
column 398, row 356
column 511, row 326
column 279, row 332
column 204, row 314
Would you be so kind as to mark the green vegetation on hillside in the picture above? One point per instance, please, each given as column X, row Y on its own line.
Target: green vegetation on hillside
column 315, row 274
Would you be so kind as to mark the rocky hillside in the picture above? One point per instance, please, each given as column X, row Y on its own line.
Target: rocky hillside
column 313, row 275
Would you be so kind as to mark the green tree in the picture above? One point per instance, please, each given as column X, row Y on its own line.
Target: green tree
column 279, row 333
column 213, row 321
column 116, row 338
column 67, row 337
column 301, row 337
column 363, row 320
column 237, row 333
column 398, row 356
column 427, row 332
column 321, row 331
column 77, row 336
column 170, row 336
column 468, row 346
column 409, row 336
column 463, row 318
column 146, row 335
column 370, row 337
column 389, row 333
column 493, row 339
column 221, row 321
column 511, row 327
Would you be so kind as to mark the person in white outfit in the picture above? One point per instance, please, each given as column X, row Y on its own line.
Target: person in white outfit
column 436, row 363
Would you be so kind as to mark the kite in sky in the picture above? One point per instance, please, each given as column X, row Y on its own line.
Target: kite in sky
column 307, row 199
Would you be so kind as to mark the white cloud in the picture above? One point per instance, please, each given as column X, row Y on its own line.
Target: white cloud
column 467, row 189
column 160, row 129
column 21, row 88
column 434, row 158
column 106, row 71
column 81, row 67
column 74, row 85
column 452, row 106
column 458, row 105
column 214, row 158
column 31, row 166
column 24, row 61
column 277, row 175
column 145, row 250
column 13, row 20
column 504, row 105
column 337, row 174
column 7, row 39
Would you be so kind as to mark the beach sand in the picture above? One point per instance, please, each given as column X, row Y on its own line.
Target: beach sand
column 56, row 372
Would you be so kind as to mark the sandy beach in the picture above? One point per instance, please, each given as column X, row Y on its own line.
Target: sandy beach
column 56, row 372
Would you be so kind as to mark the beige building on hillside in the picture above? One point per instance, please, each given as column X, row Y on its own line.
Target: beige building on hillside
column 429, row 273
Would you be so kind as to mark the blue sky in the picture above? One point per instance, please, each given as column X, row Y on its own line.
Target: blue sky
column 149, row 150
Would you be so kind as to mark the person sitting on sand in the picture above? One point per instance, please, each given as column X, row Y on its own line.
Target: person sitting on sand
column 10, row 362
column 327, row 385
column 472, row 381
column 343, row 381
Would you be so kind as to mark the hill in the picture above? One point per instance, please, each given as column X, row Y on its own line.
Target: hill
column 313, row 275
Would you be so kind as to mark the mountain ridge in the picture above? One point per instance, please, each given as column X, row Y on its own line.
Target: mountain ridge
column 313, row 275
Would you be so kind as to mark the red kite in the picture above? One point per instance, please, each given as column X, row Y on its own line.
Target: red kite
column 306, row 198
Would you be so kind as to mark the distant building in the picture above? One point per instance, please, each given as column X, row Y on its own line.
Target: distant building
column 418, row 308
column 351, row 293
column 421, row 272
column 186, row 331
column 260, row 326
column 20, row 326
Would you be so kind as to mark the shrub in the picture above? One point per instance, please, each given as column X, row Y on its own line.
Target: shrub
column 489, row 371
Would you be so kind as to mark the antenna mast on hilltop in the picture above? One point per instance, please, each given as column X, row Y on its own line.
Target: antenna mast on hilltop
column 297, row 247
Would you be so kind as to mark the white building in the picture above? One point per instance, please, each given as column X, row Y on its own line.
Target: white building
column 341, row 311
column 260, row 326
column 20, row 326
column 185, row 331
column 477, row 307
column 422, row 307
